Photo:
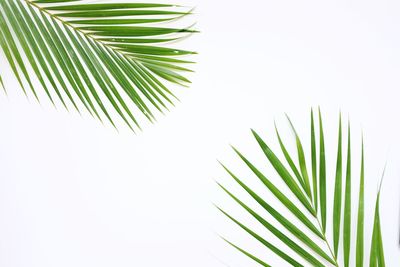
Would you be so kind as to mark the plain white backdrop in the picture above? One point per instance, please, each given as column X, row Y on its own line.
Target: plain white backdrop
column 74, row 192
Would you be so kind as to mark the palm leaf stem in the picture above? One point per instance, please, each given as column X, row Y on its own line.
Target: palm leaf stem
column 88, row 35
column 43, row 10
column 325, row 239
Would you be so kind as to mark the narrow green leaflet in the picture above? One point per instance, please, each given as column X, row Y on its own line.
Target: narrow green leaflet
column 290, row 160
column 278, row 216
column 102, row 6
column 267, row 244
column 22, row 38
column 314, row 162
column 322, row 173
column 347, row 206
column 279, row 195
column 10, row 48
column 251, row 256
column 293, row 229
column 1, row 83
column 377, row 257
column 360, row 216
column 337, row 200
column 302, row 160
column 284, row 173
column 114, row 60
column 304, row 235
column 381, row 254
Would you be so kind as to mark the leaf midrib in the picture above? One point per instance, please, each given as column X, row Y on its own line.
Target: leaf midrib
column 43, row 10
column 334, row 258
column 325, row 239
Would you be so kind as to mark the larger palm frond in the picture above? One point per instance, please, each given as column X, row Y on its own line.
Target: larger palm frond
column 96, row 56
column 306, row 234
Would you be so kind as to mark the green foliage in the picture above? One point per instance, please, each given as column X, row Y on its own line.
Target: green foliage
column 96, row 56
column 305, row 237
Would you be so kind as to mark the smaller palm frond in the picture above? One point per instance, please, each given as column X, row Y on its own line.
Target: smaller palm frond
column 96, row 56
column 304, row 238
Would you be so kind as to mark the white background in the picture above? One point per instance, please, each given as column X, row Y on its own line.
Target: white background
column 76, row 193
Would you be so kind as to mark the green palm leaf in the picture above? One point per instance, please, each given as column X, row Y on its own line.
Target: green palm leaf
column 96, row 56
column 305, row 236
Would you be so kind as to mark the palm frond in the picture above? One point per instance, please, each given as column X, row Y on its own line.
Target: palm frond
column 96, row 56
column 305, row 236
